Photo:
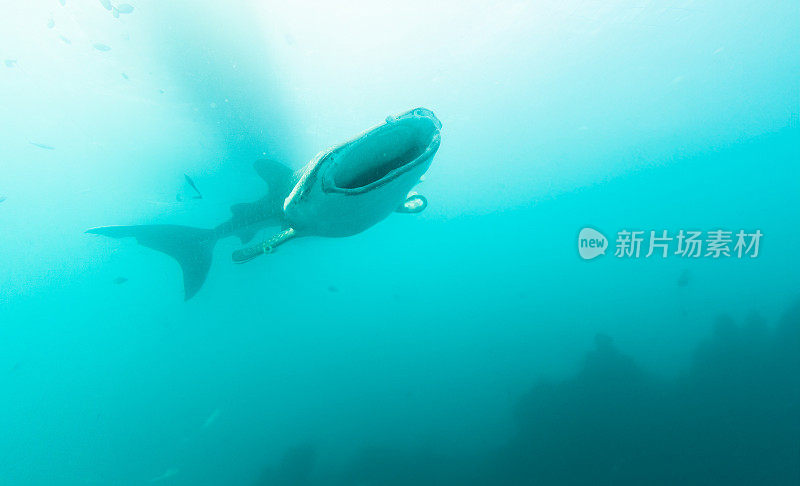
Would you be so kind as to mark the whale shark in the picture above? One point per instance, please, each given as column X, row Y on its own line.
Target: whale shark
column 341, row 192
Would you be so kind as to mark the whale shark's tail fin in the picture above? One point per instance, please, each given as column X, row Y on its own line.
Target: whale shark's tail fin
column 191, row 247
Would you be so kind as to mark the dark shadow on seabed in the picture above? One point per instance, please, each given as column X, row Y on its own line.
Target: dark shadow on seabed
column 732, row 417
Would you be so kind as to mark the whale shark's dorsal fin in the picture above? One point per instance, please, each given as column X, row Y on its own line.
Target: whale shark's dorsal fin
column 277, row 176
column 246, row 216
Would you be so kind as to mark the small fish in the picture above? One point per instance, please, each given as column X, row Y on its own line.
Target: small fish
column 178, row 197
column 191, row 183
column 167, row 474
column 115, row 12
column 333, row 288
column 120, row 280
column 2, row 198
column 211, row 419
column 62, row 2
column 106, row 4
column 51, row 23
column 125, row 8
column 101, row 47
column 42, row 146
column 125, row 76
column 66, row 41
column 10, row 63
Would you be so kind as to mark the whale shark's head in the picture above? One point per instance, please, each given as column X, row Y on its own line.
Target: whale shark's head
column 354, row 185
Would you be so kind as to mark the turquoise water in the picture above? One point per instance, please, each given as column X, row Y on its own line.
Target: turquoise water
column 468, row 344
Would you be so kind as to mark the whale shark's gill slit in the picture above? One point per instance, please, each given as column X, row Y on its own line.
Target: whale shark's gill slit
column 373, row 158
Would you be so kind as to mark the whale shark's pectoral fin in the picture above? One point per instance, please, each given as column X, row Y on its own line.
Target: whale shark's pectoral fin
column 277, row 176
column 266, row 246
column 416, row 203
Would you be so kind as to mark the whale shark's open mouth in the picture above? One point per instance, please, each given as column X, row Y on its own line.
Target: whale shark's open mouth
column 385, row 152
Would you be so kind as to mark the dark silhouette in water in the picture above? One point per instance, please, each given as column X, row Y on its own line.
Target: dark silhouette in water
column 685, row 278
column 731, row 418
column 294, row 469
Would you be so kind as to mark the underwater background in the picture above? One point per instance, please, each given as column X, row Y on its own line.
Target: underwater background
column 469, row 344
